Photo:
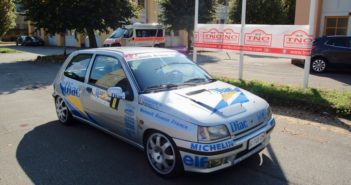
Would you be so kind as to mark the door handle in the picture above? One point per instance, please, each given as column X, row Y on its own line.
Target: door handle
column 89, row 89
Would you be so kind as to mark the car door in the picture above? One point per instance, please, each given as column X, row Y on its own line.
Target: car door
column 72, row 84
column 338, row 51
column 114, row 115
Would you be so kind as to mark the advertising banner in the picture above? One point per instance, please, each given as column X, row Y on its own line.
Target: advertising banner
column 290, row 41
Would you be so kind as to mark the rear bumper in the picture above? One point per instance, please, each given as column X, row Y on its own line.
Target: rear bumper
column 207, row 158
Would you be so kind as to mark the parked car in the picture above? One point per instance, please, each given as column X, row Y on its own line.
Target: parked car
column 330, row 51
column 159, row 101
column 29, row 41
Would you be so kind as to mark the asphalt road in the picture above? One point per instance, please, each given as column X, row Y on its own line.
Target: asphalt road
column 275, row 70
column 35, row 149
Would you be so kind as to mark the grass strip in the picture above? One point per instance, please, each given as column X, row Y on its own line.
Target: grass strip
column 8, row 50
column 316, row 100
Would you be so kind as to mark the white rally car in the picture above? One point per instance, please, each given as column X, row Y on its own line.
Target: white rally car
column 161, row 102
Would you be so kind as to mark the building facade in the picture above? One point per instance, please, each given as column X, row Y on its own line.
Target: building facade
column 332, row 17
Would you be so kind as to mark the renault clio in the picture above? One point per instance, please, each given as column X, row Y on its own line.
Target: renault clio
column 161, row 102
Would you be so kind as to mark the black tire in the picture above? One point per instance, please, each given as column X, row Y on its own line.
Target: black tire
column 63, row 114
column 164, row 147
column 319, row 65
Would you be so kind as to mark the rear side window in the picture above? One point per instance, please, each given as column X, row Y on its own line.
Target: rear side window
column 77, row 68
column 340, row 42
column 107, row 72
column 149, row 33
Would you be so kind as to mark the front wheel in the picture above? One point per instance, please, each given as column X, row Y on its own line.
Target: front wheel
column 62, row 111
column 318, row 65
column 163, row 155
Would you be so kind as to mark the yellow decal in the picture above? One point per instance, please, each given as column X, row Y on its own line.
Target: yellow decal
column 76, row 103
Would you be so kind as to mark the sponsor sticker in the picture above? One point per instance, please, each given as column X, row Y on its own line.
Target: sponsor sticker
column 213, row 147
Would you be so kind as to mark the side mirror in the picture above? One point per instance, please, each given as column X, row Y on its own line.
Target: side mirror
column 116, row 92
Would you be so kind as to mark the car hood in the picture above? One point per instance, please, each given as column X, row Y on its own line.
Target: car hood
column 207, row 105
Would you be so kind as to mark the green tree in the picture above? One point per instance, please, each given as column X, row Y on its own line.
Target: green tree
column 85, row 16
column 179, row 15
column 7, row 16
column 265, row 11
column 289, row 7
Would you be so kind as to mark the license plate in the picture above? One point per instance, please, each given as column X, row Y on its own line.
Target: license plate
column 256, row 140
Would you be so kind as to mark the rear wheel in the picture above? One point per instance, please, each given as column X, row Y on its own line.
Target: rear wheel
column 318, row 65
column 163, row 155
column 62, row 111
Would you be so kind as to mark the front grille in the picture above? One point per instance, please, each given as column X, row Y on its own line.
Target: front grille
column 249, row 131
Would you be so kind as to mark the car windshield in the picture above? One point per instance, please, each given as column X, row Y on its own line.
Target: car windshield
column 157, row 72
column 117, row 33
column 34, row 39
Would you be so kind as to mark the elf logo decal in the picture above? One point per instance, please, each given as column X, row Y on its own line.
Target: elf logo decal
column 258, row 38
column 227, row 36
column 298, row 39
column 196, row 161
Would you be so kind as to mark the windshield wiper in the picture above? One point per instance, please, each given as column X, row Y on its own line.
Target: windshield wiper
column 194, row 80
column 199, row 80
column 159, row 87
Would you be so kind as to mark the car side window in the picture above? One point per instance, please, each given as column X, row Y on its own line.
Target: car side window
column 107, row 72
column 78, row 66
column 340, row 42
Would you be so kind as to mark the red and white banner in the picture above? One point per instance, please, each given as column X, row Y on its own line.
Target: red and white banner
column 279, row 40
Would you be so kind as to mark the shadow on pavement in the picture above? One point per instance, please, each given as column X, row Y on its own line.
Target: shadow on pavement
column 304, row 115
column 80, row 154
column 340, row 74
column 17, row 76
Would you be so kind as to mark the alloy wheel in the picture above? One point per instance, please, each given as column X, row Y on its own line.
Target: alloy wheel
column 318, row 65
column 61, row 110
column 160, row 153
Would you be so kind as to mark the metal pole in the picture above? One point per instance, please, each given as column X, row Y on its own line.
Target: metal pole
column 195, row 27
column 243, row 20
column 311, row 32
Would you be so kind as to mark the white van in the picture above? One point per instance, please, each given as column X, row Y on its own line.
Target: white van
column 137, row 35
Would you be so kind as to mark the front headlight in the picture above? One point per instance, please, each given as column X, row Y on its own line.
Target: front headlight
column 269, row 114
column 212, row 133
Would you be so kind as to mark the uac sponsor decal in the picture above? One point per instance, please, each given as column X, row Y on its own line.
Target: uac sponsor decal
column 212, row 147
column 68, row 88
column 238, row 125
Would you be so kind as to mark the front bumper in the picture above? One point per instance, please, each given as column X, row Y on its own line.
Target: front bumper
column 206, row 158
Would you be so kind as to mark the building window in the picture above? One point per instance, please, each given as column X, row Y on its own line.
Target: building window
column 141, row 3
column 336, row 25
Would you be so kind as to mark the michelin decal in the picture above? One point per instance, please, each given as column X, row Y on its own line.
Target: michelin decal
column 213, row 147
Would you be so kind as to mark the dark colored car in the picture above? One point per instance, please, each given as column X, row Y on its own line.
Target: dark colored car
column 330, row 51
column 29, row 41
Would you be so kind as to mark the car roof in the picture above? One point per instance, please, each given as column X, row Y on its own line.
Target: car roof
column 132, row 50
column 338, row 36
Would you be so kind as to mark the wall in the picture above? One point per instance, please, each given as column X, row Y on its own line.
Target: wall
column 335, row 8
